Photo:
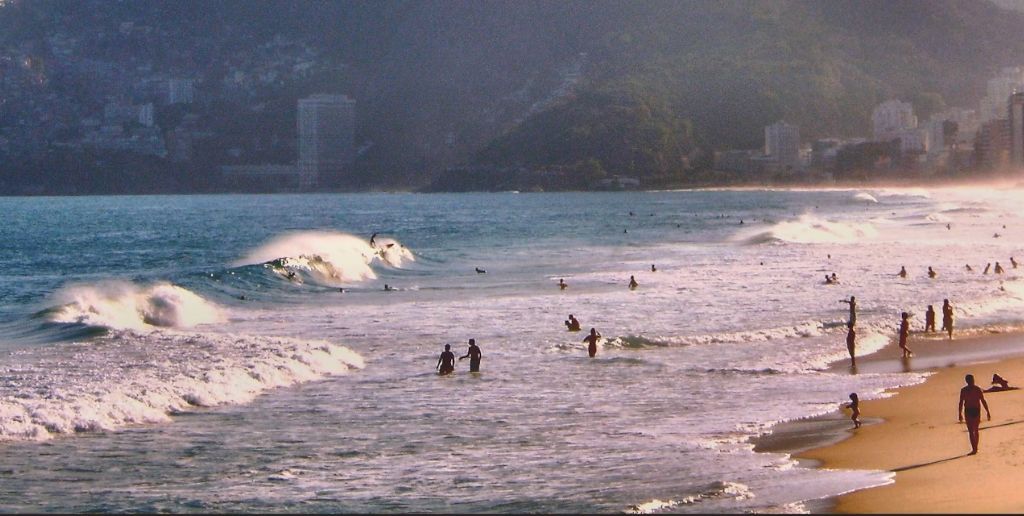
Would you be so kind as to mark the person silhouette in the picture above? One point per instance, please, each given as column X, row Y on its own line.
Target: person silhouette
column 968, row 267
column 851, row 344
column 998, row 269
column 854, row 406
column 562, row 285
column 853, row 309
column 632, row 283
column 931, row 273
column 474, row 355
column 904, row 334
column 947, row 317
column 591, row 341
column 1013, row 262
column 929, row 319
column 987, row 267
column 653, row 269
column 446, row 362
column 572, row 324
column 903, row 272
column 971, row 397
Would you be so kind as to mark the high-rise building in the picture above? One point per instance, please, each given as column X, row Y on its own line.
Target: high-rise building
column 992, row 144
column 1016, row 116
column 891, row 118
column 326, row 136
column 782, row 143
column 999, row 88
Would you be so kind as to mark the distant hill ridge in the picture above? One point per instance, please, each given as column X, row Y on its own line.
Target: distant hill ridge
column 658, row 84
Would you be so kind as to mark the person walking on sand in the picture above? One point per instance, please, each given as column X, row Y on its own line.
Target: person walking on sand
column 853, row 309
column 904, row 334
column 971, row 400
column 947, row 317
column 474, row 355
column 446, row 362
column 854, row 406
column 851, row 344
column 591, row 341
column 903, row 272
column 929, row 319
column 632, row 283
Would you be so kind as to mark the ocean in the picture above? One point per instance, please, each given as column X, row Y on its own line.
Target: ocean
column 240, row 352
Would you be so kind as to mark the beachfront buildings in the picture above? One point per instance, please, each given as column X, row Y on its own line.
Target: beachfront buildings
column 1010, row 80
column 326, row 126
column 782, row 144
column 1016, row 116
column 891, row 119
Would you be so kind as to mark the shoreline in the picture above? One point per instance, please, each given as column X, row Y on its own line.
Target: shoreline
column 904, row 433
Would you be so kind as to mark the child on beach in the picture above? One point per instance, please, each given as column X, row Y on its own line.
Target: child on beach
column 854, row 405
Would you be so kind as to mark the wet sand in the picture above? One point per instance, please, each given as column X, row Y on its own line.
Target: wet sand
column 916, row 435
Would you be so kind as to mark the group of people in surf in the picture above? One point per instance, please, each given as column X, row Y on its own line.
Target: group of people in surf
column 903, row 333
column 988, row 266
column 446, row 362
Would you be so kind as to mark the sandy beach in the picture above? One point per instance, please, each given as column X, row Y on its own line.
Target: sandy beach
column 915, row 433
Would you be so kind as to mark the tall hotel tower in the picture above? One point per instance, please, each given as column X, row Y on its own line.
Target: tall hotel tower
column 326, row 137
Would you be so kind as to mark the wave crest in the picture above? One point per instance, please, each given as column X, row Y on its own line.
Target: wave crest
column 124, row 306
column 327, row 257
column 809, row 229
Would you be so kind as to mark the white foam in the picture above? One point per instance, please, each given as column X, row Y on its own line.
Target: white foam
column 123, row 305
column 130, row 378
column 809, row 229
column 331, row 257
column 866, row 197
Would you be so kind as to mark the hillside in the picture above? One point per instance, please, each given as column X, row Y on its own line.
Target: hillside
column 603, row 87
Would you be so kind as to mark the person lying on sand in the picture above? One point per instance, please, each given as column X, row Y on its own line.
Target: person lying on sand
column 1000, row 384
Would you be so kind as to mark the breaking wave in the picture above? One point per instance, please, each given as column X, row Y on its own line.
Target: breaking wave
column 809, row 229
column 865, row 197
column 129, row 378
column 326, row 257
column 122, row 305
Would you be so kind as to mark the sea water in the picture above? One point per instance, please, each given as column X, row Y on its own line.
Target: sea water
column 240, row 353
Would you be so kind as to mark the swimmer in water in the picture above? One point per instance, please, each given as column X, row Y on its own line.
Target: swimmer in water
column 653, row 269
column 1013, row 262
column 931, row 273
column 388, row 288
column 562, row 284
column 835, row 279
column 446, row 362
column 474, row 355
column 591, row 341
column 828, row 280
column 572, row 324
column 998, row 268
column 968, row 267
column 903, row 272
column 987, row 267
column 632, row 283
column 480, row 271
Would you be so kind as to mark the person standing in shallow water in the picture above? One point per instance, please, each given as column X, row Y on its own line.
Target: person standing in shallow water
column 969, row 407
column 591, row 341
column 853, row 309
column 851, row 344
column 855, row 408
column 904, row 334
column 632, row 283
column 446, row 362
column 474, row 355
column 903, row 272
column 947, row 317
column 929, row 319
